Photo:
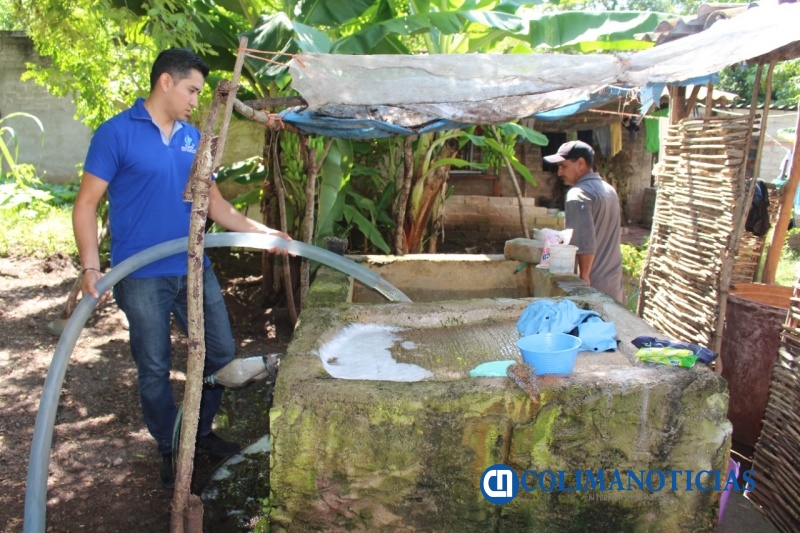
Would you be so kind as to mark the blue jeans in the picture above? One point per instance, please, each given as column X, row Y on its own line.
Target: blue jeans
column 148, row 304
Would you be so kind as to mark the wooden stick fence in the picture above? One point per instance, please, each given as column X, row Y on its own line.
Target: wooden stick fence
column 775, row 463
column 700, row 186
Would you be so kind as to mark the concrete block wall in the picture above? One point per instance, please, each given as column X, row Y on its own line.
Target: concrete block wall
column 548, row 184
column 65, row 139
column 487, row 218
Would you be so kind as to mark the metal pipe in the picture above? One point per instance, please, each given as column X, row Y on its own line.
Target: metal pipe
column 39, row 461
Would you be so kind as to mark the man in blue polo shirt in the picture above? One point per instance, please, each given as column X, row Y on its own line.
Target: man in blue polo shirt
column 142, row 158
column 592, row 211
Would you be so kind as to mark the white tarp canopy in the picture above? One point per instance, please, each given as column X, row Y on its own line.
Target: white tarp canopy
column 490, row 88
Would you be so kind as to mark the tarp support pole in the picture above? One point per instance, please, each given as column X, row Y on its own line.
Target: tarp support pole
column 787, row 202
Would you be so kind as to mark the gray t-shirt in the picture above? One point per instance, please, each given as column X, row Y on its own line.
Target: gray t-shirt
column 592, row 211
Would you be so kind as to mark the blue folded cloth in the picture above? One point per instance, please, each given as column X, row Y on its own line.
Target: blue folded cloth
column 548, row 316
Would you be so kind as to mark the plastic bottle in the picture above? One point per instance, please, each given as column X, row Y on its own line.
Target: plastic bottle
column 242, row 371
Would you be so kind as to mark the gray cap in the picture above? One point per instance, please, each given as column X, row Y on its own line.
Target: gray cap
column 571, row 150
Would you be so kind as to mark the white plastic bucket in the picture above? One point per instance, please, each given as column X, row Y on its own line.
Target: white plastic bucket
column 562, row 258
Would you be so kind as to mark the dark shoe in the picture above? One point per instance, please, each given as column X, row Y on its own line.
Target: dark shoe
column 166, row 475
column 214, row 445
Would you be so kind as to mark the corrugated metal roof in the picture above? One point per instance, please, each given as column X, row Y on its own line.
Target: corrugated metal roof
column 680, row 27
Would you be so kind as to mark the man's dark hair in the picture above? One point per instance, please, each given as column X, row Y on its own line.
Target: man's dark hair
column 178, row 63
column 588, row 157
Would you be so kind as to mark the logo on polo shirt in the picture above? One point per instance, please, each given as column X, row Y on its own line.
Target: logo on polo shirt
column 188, row 145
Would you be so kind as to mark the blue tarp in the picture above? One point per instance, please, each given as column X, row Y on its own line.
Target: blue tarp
column 312, row 123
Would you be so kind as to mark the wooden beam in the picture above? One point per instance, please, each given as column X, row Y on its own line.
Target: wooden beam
column 692, row 99
column 779, row 232
column 677, row 104
column 271, row 103
column 784, row 53
column 709, row 99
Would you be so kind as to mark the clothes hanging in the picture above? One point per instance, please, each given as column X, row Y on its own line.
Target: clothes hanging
column 602, row 139
column 615, row 138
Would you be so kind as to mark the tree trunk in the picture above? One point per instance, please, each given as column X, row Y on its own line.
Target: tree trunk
column 404, row 187
column 186, row 514
column 310, row 156
column 199, row 182
column 268, row 286
column 287, row 270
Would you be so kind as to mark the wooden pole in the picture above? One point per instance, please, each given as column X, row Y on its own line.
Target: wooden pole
column 187, row 509
column 709, row 99
column 764, row 117
column 692, row 101
column 677, row 104
column 182, row 504
column 779, row 232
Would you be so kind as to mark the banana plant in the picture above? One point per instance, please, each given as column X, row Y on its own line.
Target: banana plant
column 23, row 174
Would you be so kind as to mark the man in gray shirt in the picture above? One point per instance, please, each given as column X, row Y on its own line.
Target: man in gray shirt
column 592, row 212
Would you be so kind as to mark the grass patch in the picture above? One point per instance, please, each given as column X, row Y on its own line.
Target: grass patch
column 787, row 274
column 37, row 234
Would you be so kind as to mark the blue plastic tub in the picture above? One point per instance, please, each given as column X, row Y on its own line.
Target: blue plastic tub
column 550, row 353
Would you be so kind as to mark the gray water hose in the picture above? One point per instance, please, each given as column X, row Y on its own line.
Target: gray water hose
column 39, row 462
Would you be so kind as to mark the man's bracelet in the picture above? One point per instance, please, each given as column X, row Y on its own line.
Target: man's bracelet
column 85, row 269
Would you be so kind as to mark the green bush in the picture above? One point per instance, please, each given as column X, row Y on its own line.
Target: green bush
column 37, row 218
column 787, row 272
column 632, row 261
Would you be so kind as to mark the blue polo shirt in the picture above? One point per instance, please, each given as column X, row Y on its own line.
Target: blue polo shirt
column 146, row 175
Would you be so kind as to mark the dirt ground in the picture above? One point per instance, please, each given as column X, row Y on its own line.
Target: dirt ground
column 104, row 464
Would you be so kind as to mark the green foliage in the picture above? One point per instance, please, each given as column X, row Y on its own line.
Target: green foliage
column 35, row 197
column 787, row 273
column 496, row 149
column 7, row 21
column 785, row 82
column 592, row 31
column 684, row 7
column 360, row 208
column 250, row 173
column 262, row 526
column 632, row 262
column 100, row 52
column 37, row 218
